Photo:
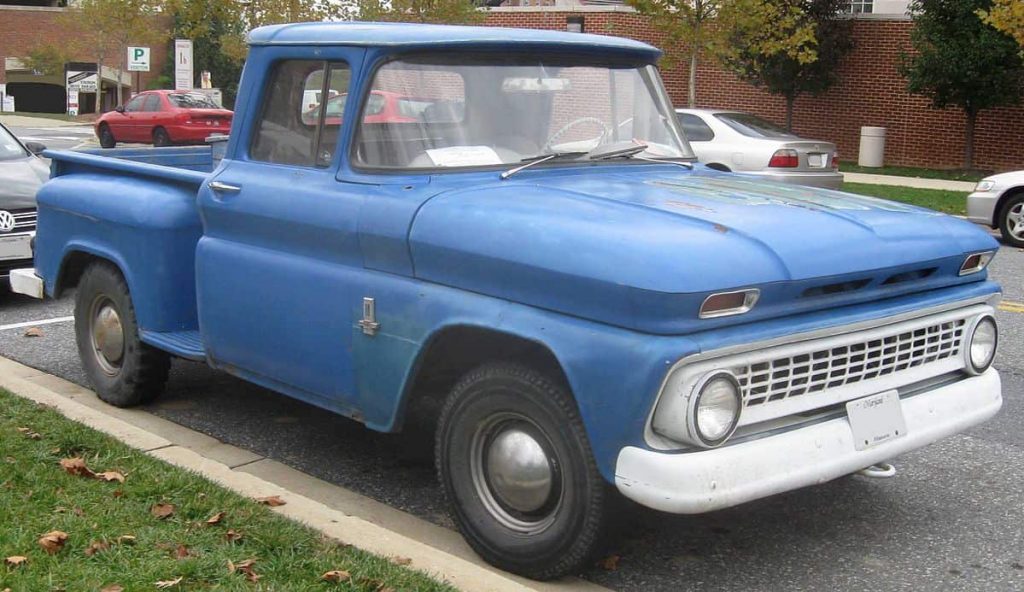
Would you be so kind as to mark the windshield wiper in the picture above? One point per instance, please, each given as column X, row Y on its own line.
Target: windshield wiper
column 529, row 162
column 682, row 163
column 631, row 150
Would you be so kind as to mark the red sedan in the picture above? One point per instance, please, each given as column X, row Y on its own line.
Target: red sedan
column 163, row 118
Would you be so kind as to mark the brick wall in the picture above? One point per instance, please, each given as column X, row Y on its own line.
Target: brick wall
column 870, row 93
column 23, row 28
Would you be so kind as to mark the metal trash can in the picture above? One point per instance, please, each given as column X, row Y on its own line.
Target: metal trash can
column 872, row 147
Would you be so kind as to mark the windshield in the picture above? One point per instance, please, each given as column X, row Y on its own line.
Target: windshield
column 753, row 126
column 442, row 111
column 9, row 147
column 192, row 101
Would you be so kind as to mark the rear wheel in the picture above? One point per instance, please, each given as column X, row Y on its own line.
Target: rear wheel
column 107, row 137
column 161, row 137
column 123, row 370
column 1011, row 221
column 517, row 469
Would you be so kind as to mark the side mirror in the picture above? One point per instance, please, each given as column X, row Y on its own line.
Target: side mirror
column 119, row 108
column 35, row 147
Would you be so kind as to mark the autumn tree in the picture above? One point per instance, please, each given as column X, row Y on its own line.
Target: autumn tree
column 810, row 66
column 1006, row 16
column 420, row 11
column 960, row 61
column 711, row 27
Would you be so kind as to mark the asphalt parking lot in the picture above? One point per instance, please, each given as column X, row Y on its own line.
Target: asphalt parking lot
column 950, row 520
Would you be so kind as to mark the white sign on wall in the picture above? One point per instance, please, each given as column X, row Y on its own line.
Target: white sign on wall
column 72, row 102
column 184, row 77
column 138, row 59
column 82, row 81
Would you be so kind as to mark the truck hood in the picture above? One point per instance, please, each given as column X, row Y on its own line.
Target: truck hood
column 642, row 248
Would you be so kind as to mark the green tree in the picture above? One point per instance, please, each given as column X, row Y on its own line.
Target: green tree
column 712, row 27
column 420, row 11
column 960, row 61
column 792, row 73
column 1006, row 16
column 47, row 59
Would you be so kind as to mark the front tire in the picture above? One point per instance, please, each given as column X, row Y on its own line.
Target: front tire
column 516, row 467
column 107, row 137
column 161, row 137
column 1011, row 221
column 123, row 370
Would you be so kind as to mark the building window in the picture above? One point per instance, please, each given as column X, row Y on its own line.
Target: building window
column 861, row 6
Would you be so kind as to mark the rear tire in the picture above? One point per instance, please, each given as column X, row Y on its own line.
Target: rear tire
column 107, row 137
column 161, row 137
column 516, row 467
column 1011, row 221
column 123, row 370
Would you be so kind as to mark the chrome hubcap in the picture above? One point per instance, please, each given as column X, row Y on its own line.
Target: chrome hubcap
column 1015, row 221
column 107, row 335
column 515, row 473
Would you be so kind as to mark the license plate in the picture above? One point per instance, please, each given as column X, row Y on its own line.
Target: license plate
column 876, row 419
column 816, row 160
column 18, row 246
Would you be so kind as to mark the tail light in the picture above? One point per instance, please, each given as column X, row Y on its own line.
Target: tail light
column 835, row 160
column 784, row 159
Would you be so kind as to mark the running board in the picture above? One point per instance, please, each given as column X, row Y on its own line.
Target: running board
column 184, row 344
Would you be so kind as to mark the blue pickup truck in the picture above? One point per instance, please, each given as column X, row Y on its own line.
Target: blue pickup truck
column 502, row 236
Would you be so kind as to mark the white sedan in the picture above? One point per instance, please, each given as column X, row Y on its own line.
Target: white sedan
column 998, row 202
column 746, row 143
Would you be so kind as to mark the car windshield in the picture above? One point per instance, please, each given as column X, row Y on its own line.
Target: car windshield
column 10, row 148
column 753, row 126
column 448, row 111
column 192, row 101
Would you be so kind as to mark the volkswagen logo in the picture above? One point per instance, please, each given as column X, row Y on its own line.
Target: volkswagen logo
column 6, row 221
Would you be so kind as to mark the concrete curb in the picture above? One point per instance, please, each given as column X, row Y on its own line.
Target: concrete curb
column 14, row 120
column 915, row 182
column 339, row 513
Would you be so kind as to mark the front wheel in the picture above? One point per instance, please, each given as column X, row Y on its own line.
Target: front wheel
column 107, row 137
column 161, row 137
column 1011, row 221
column 123, row 370
column 516, row 467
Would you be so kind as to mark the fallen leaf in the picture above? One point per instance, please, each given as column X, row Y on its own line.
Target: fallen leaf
column 385, row 589
column 609, row 563
column 401, row 560
column 245, row 567
column 181, row 552
column 271, row 500
column 53, row 541
column 126, row 539
column 95, row 547
column 28, row 433
column 78, row 511
column 15, row 560
column 336, row 575
column 117, row 493
column 76, row 466
column 112, row 588
column 162, row 510
column 169, row 583
column 232, row 536
column 215, row 519
column 245, row 564
column 34, row 332
column 109, row 476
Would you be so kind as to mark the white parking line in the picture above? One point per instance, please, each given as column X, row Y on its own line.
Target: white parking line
column 37, row 323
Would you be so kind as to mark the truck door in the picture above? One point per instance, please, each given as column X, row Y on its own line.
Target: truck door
column 278, row 267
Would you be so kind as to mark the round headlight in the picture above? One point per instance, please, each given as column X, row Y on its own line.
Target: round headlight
column 981, row 349
column 717, row 409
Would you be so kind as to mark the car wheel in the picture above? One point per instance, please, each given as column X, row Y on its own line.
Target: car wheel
column 1011, row 221
column 516, row 467
column 160, row 137
column 123, row 370
column 107, row 137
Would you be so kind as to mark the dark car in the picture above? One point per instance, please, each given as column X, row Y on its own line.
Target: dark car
column 163, row 118
column 21, row 175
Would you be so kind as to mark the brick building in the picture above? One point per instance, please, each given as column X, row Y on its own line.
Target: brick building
column 870, row 92
column 24, row 27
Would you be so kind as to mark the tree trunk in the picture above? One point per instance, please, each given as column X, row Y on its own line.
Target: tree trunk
column 99, row 84
column 972, row 118
column 692, row 96
column 790, row 100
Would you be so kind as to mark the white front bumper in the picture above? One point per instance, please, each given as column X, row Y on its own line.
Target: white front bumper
column 25, row 281
column 696, row 482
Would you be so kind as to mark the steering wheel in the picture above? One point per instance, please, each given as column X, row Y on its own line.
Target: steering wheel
column 605, row 130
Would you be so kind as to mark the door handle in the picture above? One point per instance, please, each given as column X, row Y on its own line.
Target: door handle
column 223, row 187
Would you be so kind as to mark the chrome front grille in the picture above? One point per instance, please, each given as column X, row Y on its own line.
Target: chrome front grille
column 24, row 220
column 831, row 367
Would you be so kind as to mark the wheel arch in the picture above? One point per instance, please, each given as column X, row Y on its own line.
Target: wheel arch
column 719, row 167
column 1003, row 199
column 76, row 259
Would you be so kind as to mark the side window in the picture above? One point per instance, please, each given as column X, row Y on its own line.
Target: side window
column 135, row 104
column 293, row 127
column 152, row 103
column 694, row 128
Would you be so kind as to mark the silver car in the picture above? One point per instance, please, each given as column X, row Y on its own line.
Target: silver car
column 998, row 202
column 746, row 143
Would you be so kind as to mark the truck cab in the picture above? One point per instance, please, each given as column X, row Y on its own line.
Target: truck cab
column 524, row 260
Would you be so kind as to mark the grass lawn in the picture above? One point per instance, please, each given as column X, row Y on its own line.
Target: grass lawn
column 116, row 539
column 950, row 202
column 948, row 174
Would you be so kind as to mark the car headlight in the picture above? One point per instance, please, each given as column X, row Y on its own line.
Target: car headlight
column 984, row 185
column 981, row 345
column 704, row 415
